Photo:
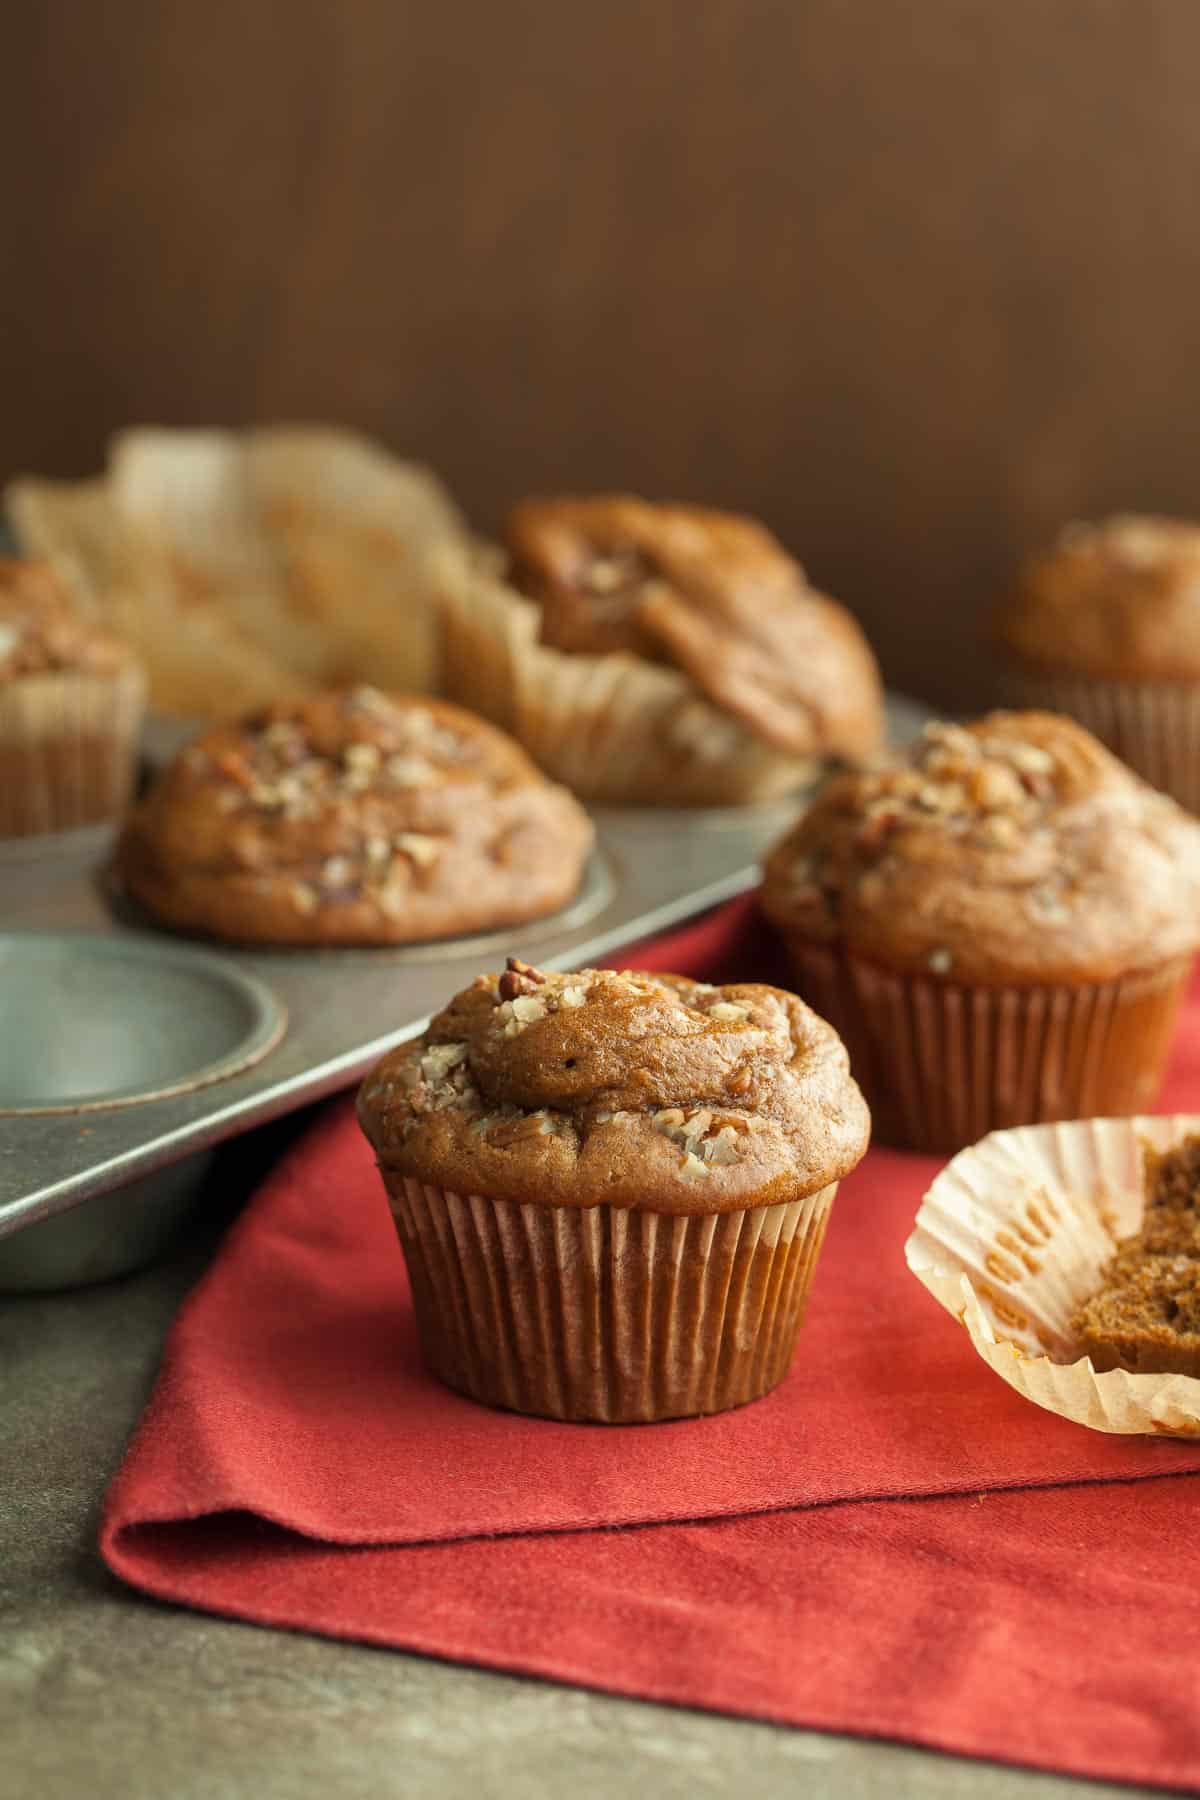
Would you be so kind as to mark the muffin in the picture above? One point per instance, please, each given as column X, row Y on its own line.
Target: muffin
column 353, row 818
column 1000, row 923
column 1105, row 626
column 1145, row 1316
column 611, row 1189
column 658, row 654
column 71, row 703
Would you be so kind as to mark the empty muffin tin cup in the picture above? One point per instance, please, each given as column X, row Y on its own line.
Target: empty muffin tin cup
column 93, row 1023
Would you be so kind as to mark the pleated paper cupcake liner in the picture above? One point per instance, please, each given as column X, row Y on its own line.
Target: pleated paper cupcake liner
column 1015, row 1233
column 607, row 1314
column 68, row 749
column 1153, row 726
column 613, row 728
column 941, row 1064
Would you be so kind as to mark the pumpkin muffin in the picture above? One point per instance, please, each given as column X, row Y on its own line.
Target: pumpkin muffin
column 659, row 654
column 71, row 703
column 1145, row 1316
column 1105, row 625
column 1000, row 923
column 611, row 1189
column 354, row 818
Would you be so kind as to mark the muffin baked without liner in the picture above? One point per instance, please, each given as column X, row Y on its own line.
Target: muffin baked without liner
column 1015, row 1237
column 611, row 1189
column 657, row 654
column 354, row 818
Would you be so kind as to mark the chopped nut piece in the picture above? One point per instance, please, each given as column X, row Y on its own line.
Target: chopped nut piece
column 727, row 1013
column 514, row 1015
column 421, row 850
column 723, row 1148
column 572, row 996
column 999, row 830
column 693, row 1167
column 361, row 758
column 519, row 978
column 369, row 699
column 336, row 871
column 408, row 771
column 1029, row 759
column 282, row 734
column 523, row 1126
column 955, row 740
column 994, row 786
column 941, row 961
column 944, row 797
column 439, row 1059
column 304, row 898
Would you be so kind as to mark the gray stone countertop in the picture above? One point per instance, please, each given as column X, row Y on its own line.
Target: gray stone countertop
column 104, row 1693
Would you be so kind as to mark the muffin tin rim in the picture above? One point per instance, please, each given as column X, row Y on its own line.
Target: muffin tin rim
column 267, row 1012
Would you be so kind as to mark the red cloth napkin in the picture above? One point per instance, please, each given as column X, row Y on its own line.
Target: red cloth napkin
column 892, row 1543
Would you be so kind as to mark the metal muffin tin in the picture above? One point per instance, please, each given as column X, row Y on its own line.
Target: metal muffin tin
column 186, row 1045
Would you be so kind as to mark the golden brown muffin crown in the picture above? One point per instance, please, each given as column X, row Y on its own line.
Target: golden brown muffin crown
column 40, row 631
column 648, row 1091
column 711, row 593
column 1014, row 849
column 1119, row 599
column 354, row 817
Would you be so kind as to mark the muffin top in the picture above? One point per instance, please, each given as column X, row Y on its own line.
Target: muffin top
column 644, row 1091
column 1012, row 850
column 40, row 631
column 354, row 817
column 1119, row 599
column 713, row 594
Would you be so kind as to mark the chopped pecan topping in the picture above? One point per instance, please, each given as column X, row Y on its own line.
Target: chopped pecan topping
column 519, row 978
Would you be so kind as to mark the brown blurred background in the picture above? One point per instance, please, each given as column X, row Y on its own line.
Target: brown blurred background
column 912, row 283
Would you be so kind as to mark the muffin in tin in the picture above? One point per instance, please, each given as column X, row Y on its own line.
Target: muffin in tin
column 1105, row 625
column 71, row 705
column 663, row 654
column 353, row 818
column 611, row 1189
column 1000, row 923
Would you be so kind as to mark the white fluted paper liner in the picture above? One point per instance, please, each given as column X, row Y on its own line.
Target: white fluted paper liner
column 1014, row 1234
column 602, row 1313
column 1153, row 726
column 613, row 728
